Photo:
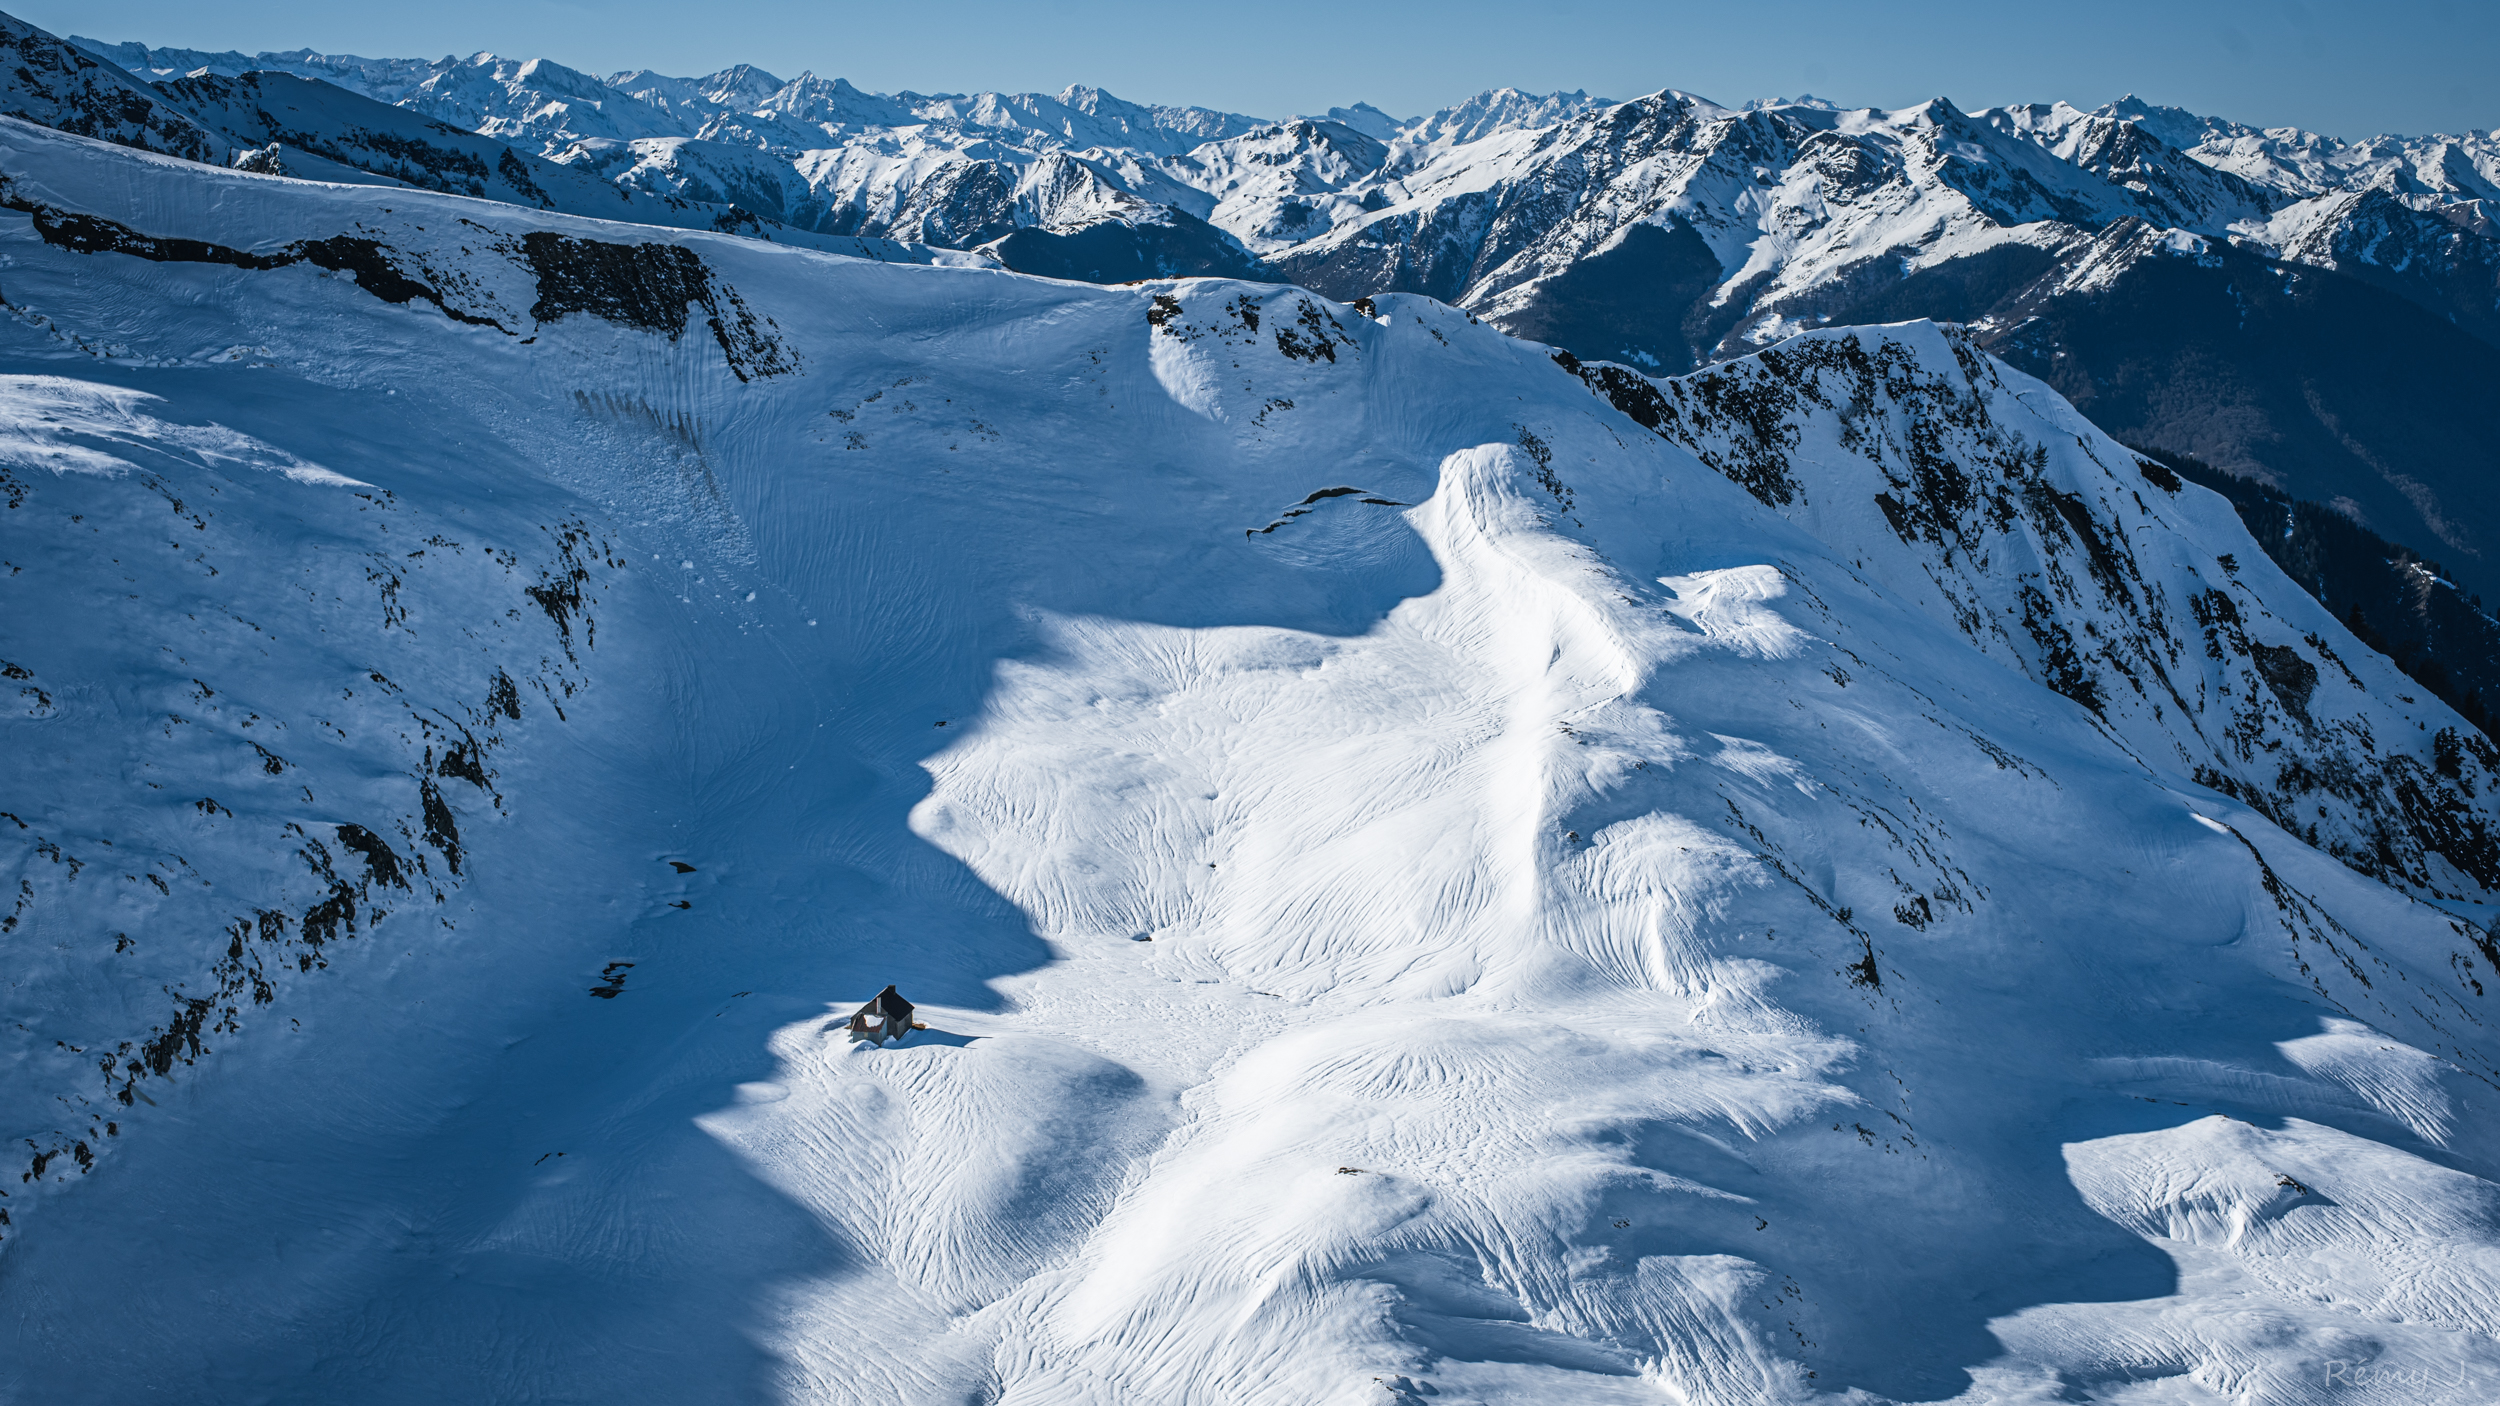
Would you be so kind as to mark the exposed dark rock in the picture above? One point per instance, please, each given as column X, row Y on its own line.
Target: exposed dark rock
column 365, row 260
column 2291, row 677
column 442, row 830
column 380, row 861
column 649, row 286
column 2048, row 579
column 2400, row 604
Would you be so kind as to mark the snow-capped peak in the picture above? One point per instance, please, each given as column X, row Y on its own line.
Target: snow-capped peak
column 1368, row 120
column 1434, row 871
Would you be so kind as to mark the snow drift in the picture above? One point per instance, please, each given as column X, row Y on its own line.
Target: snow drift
column 1427, row 882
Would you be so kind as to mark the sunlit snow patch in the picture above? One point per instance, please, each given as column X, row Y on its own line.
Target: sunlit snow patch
column 43, row 420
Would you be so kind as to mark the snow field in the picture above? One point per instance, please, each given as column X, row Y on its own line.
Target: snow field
column 1522, row 1012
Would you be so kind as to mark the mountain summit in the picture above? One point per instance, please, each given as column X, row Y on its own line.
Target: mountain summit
column 2291, row 309
column 1430, row 866
column 1432, row 869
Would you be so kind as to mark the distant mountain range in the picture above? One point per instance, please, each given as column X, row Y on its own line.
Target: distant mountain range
column 2285, row 307
column 1568, row 834
column 1435, row 871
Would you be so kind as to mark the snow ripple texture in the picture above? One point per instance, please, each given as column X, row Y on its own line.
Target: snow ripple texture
column 1425, row 885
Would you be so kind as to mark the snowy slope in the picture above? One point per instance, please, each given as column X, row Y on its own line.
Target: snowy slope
column 1562, row 233
column 358, row 139
column 1273, row 187
column 1799, row 198
column 1667, row 232
column 1423, row 888
column 59, row 86
column 275, row 122
column 1971, row 490
column 2307, row 163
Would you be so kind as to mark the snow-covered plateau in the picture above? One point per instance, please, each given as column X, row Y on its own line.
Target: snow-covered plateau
column 1436, row 871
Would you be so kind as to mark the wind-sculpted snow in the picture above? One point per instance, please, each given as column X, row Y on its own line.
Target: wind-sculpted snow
column 1974, row 491
column 1422, row 887
column 47, row 423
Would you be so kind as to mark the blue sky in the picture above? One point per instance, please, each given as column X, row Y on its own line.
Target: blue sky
column 2346, row 69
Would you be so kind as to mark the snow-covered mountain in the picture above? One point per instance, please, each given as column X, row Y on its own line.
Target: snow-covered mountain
column 278, row 123
column 1650, row 162
column 1667, row 232
column 2305, row 163
column 282, row 119
column 1437, row 871
column 61, row 86
column 1934, row 490
column 1273, row 186
column 2399, row 603
column 556, row 106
